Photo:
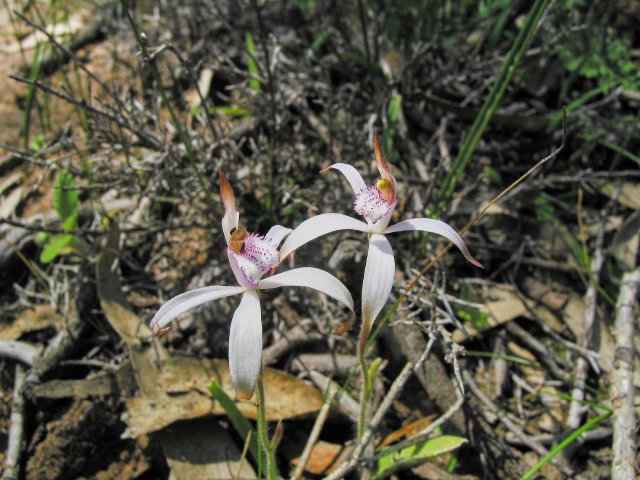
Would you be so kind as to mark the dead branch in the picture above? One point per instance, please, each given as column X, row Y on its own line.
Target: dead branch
column 20, row 351
column 624, row 445
column 16, row 430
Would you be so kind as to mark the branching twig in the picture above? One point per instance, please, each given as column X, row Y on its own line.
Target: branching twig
column 624, row 446
column 375, row 422
column 146, row 139
column 426, row 433
column 516, row 430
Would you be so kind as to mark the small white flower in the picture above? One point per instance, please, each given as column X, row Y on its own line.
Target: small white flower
column 376, row 204
column 251, row 256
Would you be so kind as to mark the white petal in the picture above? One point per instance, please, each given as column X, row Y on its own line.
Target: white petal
column 378, row 279
column 245, row 345
column 313, row 278
column 187, row 301
column 277, row 233
column 435, row 226
column 317, row 226
column 353, row 177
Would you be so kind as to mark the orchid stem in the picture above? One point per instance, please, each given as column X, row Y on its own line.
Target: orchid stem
column 364, row 399
column 366, row 388
column 263, row 434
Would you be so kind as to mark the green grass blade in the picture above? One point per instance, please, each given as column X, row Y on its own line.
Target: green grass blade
column 492, row 102
column 254, row 73
column 239, row 421
column 31, row 93
column 562, row 445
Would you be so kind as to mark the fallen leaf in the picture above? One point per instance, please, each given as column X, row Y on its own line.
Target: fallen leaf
column 31, row 319
column 628, row 194
column 183, row 383
column 409, row 430
column 203, row 449
column 323, row 456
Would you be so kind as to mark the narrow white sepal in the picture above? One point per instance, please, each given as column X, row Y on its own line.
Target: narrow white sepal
column 277, row 233
column 318, row 226
column 312, row 278
column 352, row 175
column 434, row 226
column 245, row 345
column 187, row 301
column 379, row 273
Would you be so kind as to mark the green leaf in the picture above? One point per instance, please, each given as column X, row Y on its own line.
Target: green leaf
column 65, row 199
column 232, row 111
column 239, row 421
column 415, row 455
column 54, row 247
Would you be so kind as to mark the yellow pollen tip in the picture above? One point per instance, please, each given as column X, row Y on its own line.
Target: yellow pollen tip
column 384, row 185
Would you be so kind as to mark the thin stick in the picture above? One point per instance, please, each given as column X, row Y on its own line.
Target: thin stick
column 624, row 446
column 315, row 433
column 576, row 408
column 16, row 430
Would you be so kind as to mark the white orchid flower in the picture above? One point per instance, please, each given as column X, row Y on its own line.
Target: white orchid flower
column 376, row 204
column 250, row 256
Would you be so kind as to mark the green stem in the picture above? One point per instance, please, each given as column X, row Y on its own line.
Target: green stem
column 174, row 117
column 364, row 398
column 263, row 434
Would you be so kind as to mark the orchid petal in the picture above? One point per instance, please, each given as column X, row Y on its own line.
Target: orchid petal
column 245, row 345
column 246, row 272
column 277, row 233
column 317, row 226
column 231, row 214
column 378, row 279
column 187, row 301
column 312, row 278
column 435, row 226
column 353, row 176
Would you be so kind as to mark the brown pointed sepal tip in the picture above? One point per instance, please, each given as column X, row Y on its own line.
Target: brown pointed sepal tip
column 346, row 326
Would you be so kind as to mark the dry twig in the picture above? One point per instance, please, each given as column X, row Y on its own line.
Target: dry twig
column 394, row 391
column 315, row 432
column 16, row 429
column 20, row 351
column 624, row 446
